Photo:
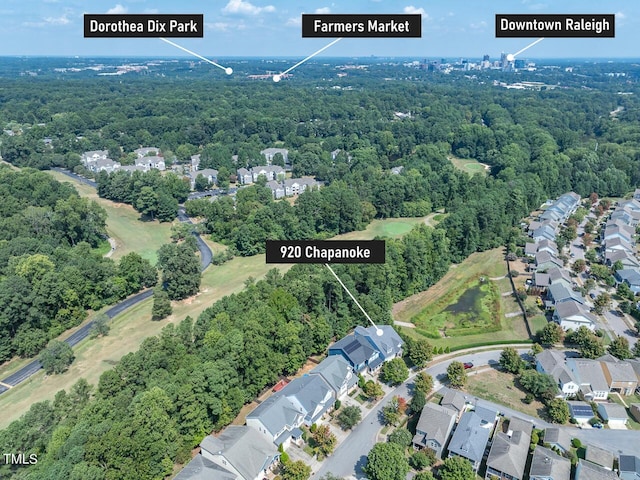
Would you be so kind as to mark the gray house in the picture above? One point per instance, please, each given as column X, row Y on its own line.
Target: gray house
column 509, row 451
column 629, row 467
column 358, row 352
column 558, row 438
column 548, row 465
column 470, row 438
column 590, row 471
column 389, row 344
column 630, row 276
column 338, row 374
column 238, row 453
column 434, row 427
column 599, row 456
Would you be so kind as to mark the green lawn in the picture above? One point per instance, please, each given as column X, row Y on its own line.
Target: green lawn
column 389, row 227
column 124, row 224
column 421, row 306
column 499, row 387
column 468, row 165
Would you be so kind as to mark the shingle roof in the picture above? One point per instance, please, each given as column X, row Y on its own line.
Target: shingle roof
column 200, row 468
column 276, row 412
column 508, row 453
column 560, row 292
column 244, row 448
column 454, row 400
column 548, row 464
column 572, row 308
column 557, row 436
column 612, row 411
column 591, row 471
column 436, row 421
column 629, row 463
column 599, row 456
column 388, row 344
column 470, row 437
column 336, row 371
column 357, row 349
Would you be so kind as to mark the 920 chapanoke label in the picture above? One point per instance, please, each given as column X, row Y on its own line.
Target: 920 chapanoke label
column 325, row 251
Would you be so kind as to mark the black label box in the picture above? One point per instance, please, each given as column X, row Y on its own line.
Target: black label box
column 325, row 251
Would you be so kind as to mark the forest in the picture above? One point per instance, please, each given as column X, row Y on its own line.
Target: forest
column 49, row 274
column 148, row 412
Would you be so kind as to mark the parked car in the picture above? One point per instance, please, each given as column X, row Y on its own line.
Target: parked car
column 467, row 365
column 598, row 425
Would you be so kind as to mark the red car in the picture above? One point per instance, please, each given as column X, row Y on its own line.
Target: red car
column 467, row 365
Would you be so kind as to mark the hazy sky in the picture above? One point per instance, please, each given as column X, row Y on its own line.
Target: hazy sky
column 267, row 28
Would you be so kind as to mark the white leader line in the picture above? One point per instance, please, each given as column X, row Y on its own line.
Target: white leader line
column 228, row 71
column 528, row 46
column 378, row 330
column 311, row 56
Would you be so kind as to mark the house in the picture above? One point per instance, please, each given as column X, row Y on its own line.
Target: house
column 548, row 465
column 636, row 194
column 338, row 374
column 544, row 260
column 454, row 400
column 630, row 276
column 635, row 364
column 147, row 152
column 470, row 438
column 270, row 153
column 358, row 352
column 546, row 230
column 615, row 415
column 599, row 456
column 277, row 189
column 295, row 186
column 103, row 165
column 244, row 176
column 303, row 401
column 210, row 174
column 627, row 259
column 238, row 453
column 619, row 229
column 195, row 162
column 562, row 292
column 629, row 467
column 558, row 438
column 542, row 280
column 589, row 375
column 552, row 362
column 618, row 244
column 434, row 427
column 626, row 215
column 271, row 172
column 580, row 411
column 543, row 245
column 509, row 451
column 590, row 471
column 397, row 170
column 620, row 376
column 571, row 315
column 389, row 344
column 151, row 162
column 93, row 156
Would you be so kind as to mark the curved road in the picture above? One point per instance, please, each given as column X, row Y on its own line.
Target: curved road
column 83, row 332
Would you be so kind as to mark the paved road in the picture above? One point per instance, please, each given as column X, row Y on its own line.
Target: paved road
column 83, row 332
column 350, row 456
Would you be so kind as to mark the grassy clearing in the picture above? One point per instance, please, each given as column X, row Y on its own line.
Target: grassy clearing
column 128, row 331
column 124, row 225
column 469, row 165
column 499, row 387
column 489, row 264
column 390, row 227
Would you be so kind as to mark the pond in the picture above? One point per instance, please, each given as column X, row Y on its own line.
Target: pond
column 469, row 302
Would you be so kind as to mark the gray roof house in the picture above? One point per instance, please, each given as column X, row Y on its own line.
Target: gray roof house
column 470, row 438
column 619, row 244
column 620, row 376
column 454, row 400
column 630, row 276
column 613, row 413
column 244, row 176
column 571, row 315
column 552, row 362
column 562, row 292
column 210, row 174
column 548, row 465
column 580, row 411
column 312, row 393
column 337, row 373
column 277, row 189
column 627, row 259
column 545, row 230
column 558, row 438
column 195, row 162
column 599, row 456
column 94, row 155
column 238, row 453
column 358, row 352
column 590, row 471
column 544, row 260
column 509, row 451
column 296, row 186
column 147, row 152
column 434, row 427
column 629, row 467
column 270, row 153
column 389, row 344
column 151, row 162
column 277, row 419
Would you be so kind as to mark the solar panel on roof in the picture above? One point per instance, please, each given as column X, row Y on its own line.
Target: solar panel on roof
column 582, row 410
column 352, row 346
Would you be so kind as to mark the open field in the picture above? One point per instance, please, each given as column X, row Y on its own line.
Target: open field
column 124, row 226
column 469, row 165
column 389, row 227
column 499, row 387
column 127, row 333
column 489, row 264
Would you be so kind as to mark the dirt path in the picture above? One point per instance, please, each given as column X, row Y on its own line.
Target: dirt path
column 114, row 245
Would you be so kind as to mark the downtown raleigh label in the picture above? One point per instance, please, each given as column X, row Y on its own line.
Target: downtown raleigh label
column 143, row 26
column 556, row 26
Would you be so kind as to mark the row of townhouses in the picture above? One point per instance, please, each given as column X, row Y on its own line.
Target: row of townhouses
column 251, row 451
column 147, row 158
column 456, row 427
column 594, row 379
column 570, row 309
column 618, row 242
